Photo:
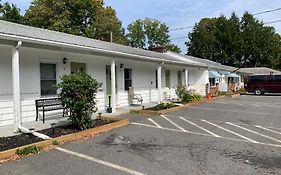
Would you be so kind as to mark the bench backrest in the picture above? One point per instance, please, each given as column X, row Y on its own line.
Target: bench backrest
column 48, row 102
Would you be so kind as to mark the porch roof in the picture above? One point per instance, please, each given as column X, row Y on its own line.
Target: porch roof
column 32, row 35
column 214, row 74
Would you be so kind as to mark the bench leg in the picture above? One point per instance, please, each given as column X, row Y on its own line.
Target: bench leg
column 43, row 115
column 37, row 114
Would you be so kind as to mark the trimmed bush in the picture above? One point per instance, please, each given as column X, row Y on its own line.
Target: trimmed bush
column 78, row 94
column 187, row 96
column 162, row 106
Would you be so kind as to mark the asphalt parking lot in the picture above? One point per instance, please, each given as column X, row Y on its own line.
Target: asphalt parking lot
column 232, row 136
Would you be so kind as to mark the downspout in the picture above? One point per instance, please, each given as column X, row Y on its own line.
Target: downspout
column 16, row 93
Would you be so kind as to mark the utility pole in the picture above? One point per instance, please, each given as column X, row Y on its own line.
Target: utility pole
column 111, row 37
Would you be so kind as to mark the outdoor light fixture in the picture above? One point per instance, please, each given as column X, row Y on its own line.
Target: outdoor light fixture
column 64, row 60
column 121, row 65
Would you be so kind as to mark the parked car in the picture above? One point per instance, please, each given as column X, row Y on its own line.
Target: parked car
column 260, row 84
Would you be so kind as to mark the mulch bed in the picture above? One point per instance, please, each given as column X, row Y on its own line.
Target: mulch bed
column 17, row 141
column 69, row 129
column 7, row 143
column 156, row 108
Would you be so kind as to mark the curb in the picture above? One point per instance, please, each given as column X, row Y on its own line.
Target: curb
column 70, row 137
column 155, row 113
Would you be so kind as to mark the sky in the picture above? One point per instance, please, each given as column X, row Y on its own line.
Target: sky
column 183, row 13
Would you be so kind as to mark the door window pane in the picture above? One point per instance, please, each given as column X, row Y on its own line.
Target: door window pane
column 128, row 78
column 48, row 79
column 167, row 75
column 179, row 78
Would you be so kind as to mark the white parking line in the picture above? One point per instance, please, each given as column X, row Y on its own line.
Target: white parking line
column 156, row 124
column 239, row 135
column 207, row 135
column 236, row 111
column 173, row 123
column 253, row 132
column 213, row 134
column 268, row 129
column 120, row 168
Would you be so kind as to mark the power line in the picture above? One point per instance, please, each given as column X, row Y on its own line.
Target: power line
column 185, row 37
column 272, row 22
column 258, row 13
column 267, row 11
column 181, row 28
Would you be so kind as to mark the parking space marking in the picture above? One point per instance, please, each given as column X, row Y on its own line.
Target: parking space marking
column 239, row 135
column 173, row 123
column 168, row 129
column 114, row 166
column 207, row 135
column 236, row 111
column 206, row 130
column 232, row 124
column 155, row 123
column 267, row 129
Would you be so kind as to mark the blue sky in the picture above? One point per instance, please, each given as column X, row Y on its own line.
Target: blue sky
column 181, row 13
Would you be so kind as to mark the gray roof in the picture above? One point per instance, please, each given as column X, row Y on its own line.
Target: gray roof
column 258, row 70
column 17, row 30
column 208, row 63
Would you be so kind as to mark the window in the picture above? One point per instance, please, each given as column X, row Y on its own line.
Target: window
column 212, row 81
column 75, row 67
column 167, row 76
column 48, row 79
column 128, row 78
column 179, row 78
column 156, row 79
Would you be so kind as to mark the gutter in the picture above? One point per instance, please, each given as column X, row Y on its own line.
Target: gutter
column 67, row 45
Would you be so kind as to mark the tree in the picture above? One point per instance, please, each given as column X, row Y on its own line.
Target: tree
column 88, row 18
column 241, row 43
column 10, row 13
column 78, row 94
column 149, row 33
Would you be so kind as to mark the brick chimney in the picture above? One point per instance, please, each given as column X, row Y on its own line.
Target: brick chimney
column 159, row 49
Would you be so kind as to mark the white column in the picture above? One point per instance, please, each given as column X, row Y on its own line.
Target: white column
column 159, row 79
column 16, row 87
column 186, row 77
column 113, row 85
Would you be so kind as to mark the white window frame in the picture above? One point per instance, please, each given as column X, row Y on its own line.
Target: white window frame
column 57, row 76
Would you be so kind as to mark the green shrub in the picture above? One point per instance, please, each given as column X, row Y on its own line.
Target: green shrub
column 187, row 96
column 28, row 150
column 162, row 106
column 78, row 94
column 55, row 142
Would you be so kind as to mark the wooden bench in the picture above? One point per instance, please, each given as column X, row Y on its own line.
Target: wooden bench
column 48, row 104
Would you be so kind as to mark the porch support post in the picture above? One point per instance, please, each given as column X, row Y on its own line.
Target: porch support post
column 16, row 86
column 159, row 79
column 186, row 77
column 113, row 85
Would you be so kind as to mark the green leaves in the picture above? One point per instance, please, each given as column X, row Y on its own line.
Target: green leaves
column 78, row 94
column 241, row 43
column 88, row 18
column 10, row 13
column 149, row 33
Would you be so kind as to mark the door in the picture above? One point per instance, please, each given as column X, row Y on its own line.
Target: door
column 277, row 83
column 167, row 78
column 179, row 78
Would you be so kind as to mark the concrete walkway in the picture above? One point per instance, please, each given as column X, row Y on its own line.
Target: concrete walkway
column 7, row 131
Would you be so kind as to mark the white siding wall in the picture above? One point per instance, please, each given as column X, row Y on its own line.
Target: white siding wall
column 30, row 60
column 143, row 79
